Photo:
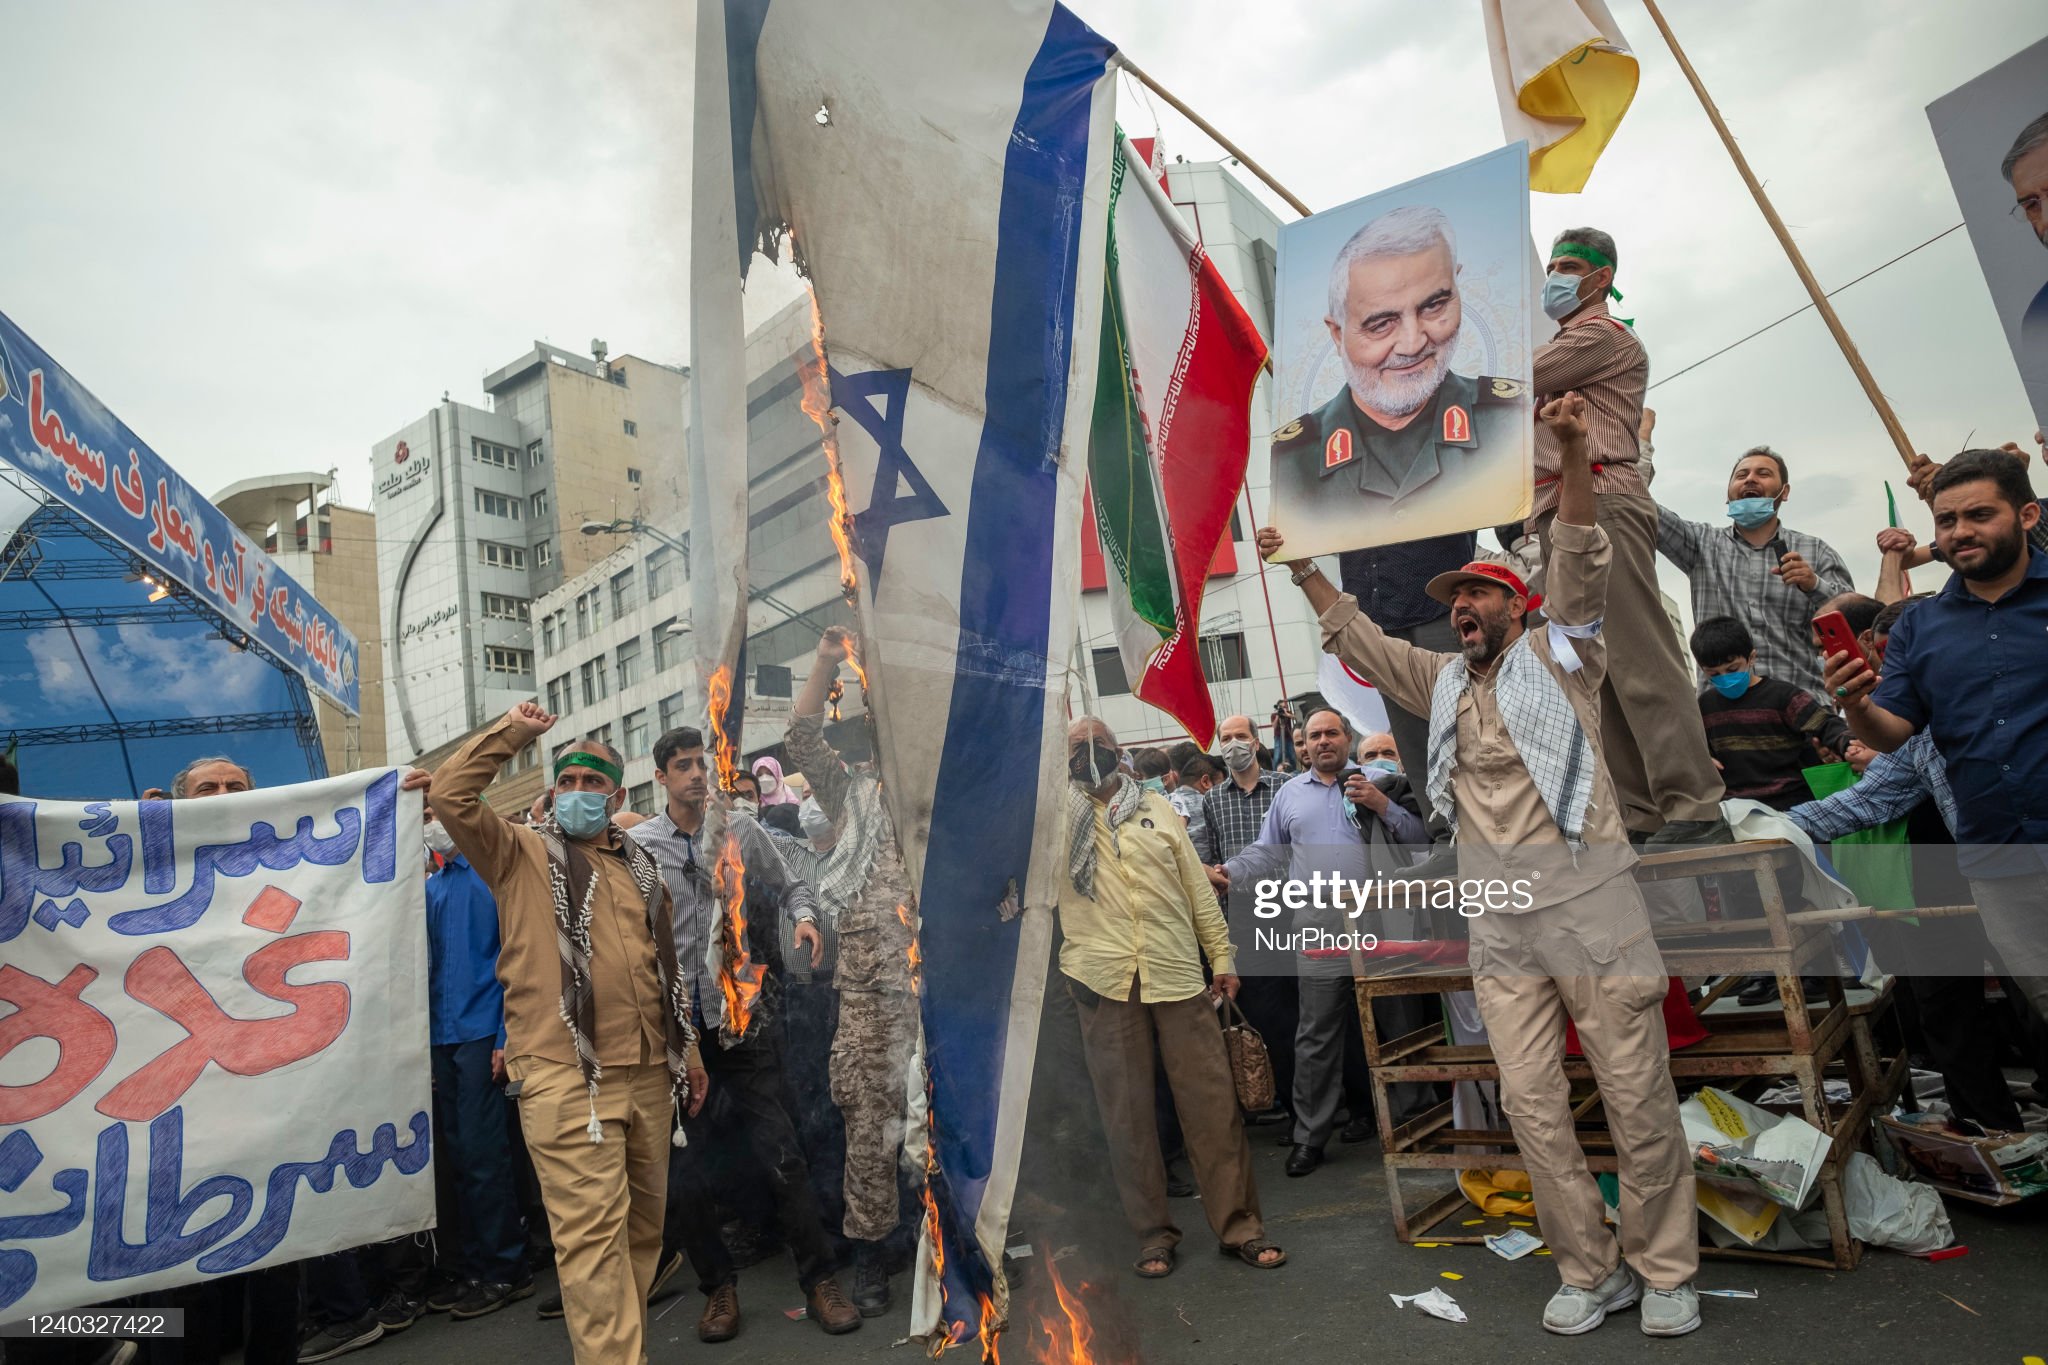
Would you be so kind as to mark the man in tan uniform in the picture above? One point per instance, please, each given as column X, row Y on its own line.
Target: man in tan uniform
column 1514, row 756
column 598, row 1036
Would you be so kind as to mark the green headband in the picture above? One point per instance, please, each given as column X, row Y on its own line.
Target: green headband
column 1590, row 255
column 583, row 758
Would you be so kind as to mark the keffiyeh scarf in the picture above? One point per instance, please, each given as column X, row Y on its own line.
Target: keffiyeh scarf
column 573, row 882
column 1122, row 805
column 1541, row 722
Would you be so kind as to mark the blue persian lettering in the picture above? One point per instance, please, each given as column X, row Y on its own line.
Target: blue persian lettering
column 362, row 1169
column 24, row 879
column 19, row 1158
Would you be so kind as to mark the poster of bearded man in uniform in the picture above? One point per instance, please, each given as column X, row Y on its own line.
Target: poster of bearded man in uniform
column 1402, row 345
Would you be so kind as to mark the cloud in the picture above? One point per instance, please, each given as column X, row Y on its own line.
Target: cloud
column 143, row 671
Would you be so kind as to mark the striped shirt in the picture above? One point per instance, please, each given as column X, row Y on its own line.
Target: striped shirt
column 1606, row 363
column 1889, row 789
column 1764, row 740
column 1731, row 577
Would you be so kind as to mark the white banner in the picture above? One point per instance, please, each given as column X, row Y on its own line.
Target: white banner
column 213, row 1051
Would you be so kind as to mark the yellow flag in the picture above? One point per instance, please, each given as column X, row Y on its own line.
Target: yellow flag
column 1564, row 77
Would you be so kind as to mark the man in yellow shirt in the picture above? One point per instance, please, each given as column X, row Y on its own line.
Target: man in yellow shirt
column 1138, row 916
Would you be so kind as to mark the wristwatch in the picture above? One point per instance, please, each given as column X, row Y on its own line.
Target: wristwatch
column 1303, row 574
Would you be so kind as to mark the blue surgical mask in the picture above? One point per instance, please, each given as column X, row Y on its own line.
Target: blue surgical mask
column 1750, row 513
column 1731, row 685
column 1155, row 784
column 582, row 815
column 1385, row 765
column 1560, row 295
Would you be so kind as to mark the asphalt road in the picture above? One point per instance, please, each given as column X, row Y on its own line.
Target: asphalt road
column 1330, row 1304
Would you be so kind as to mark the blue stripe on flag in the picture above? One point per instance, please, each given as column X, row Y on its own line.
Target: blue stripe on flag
column 977, row 844
column 743, row 21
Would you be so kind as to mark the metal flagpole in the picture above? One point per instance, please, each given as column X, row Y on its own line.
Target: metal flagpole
column 1820, row 298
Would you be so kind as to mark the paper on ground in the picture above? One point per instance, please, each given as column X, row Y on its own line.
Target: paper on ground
column 1435, row 1302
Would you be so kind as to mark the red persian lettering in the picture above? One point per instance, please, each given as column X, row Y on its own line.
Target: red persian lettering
column 82, row 464
column 84, row 1037
column 128, row 488
column 244, row 1047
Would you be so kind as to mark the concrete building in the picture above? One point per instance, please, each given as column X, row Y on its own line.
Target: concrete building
column 478, row 513
column 332, row 551
column 613, row 649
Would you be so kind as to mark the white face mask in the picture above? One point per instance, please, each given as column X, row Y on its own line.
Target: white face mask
column 438, row 840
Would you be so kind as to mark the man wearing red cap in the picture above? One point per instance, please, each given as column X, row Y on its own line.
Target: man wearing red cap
column 1558, row 926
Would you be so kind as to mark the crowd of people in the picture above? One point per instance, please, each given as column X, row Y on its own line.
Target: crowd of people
column 616, row 1068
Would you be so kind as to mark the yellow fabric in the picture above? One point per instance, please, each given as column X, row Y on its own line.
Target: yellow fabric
column 1153, row 914
column 1498, row 1192
column 1564, row 77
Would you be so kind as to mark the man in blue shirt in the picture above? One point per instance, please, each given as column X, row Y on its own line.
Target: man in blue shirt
column 1334, row 820
column 466, row 1022
column 1967, row 666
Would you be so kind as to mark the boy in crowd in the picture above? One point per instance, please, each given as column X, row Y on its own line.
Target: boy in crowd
column 1763, row 732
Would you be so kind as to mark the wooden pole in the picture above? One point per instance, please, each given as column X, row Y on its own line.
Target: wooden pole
column 1221, row 141
column 1819, row 296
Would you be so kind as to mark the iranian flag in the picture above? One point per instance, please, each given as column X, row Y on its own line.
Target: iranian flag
column 1169, row 436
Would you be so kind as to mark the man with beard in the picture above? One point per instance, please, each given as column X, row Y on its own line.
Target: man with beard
column 1515, row 764
column 1408, row 436
column 1966, row 666
column 2025, row 168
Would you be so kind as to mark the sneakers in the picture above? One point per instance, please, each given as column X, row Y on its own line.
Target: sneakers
column 398, row 1311
column 550, row 1308
column 446, row 1294
column 1573, row 1310
column 339, row 1338
column 1671, row 1312
column 485, row 1298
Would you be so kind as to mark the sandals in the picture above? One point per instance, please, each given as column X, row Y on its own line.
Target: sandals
column 1165, row 1256
column 1249, row 1253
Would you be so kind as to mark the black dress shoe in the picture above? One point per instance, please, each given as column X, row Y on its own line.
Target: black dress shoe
column 1358, row 1130
column 1303, row 1159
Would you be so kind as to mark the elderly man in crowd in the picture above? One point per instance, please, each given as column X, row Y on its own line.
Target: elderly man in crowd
column 598, row 1038
column 1655, row 749
column 1515, row 758
column 1758, row 570
column 1138, row 916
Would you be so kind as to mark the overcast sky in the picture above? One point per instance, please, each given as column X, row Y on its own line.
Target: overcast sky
column 270, row 235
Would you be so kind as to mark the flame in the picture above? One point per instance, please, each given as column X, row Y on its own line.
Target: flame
column 1069, row 1338
column 817, row 405
column 910, row 952
column 739, row 976
column 991, row 1331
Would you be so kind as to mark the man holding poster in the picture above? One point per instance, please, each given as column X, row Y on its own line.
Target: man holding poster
column 596, row 1020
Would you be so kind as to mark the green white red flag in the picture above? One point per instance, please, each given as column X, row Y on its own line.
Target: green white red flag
column 1169, row 436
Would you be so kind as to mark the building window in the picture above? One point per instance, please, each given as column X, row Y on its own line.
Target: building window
column 622, row 594
column 660, row 571
column 671, row 711
column 548, row 638
column 668, row 646
column 526, row 758
column 497, row 504
column 636, row 733
column 544, row 553
column 499, row 607
column 629, row 663
column 561, row 696
column 632, row 429
column 1109, row 674
column 501, row 556
column 535, row 456
column 603, row 735
column 497, row 456
column 632, row 474
column 540, row 505
column 498, row 659
column 596, row 682
column 641, row 798
column 1224, row 658
column 617, row 374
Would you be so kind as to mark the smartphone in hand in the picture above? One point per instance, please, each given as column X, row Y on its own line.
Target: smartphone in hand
column 1837, row 638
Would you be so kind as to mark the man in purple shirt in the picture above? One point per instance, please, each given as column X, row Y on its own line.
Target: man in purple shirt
column 1337, row 821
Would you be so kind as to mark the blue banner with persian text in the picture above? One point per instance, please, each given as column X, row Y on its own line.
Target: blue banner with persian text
column 53, row 430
